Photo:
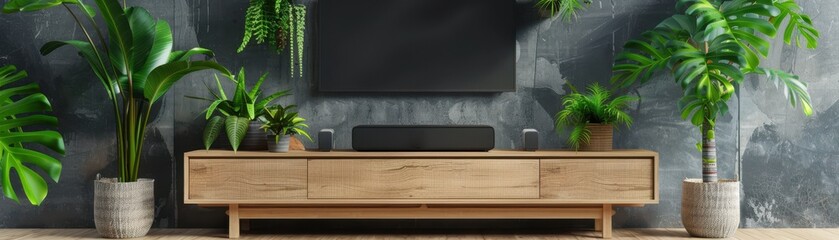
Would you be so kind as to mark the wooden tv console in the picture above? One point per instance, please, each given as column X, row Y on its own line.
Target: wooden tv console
column 421, row 185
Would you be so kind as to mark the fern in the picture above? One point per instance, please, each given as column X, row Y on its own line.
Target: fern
column 596, row 106
column 279, row 23
column 565, row 9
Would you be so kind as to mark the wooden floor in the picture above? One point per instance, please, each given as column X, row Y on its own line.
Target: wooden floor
column 179, row 234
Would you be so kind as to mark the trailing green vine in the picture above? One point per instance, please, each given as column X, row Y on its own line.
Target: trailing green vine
column 280, row 23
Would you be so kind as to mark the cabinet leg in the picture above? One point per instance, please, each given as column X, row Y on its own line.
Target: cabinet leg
column 606, row 221
column 233, row 213
column 598, row 225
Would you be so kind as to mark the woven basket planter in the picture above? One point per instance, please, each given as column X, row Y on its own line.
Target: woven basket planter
column 711, row 210
column 601, row 138
column 123, row 210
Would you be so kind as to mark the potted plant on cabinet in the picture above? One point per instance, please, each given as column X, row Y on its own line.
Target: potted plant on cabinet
column 136, row 67
column 282, row 123
column 592, row 117
column 710, row 47
column 20, row 107
column 239, row 115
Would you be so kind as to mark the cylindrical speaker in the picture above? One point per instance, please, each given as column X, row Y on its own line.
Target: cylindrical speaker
column 530, row 139
column 325, row 142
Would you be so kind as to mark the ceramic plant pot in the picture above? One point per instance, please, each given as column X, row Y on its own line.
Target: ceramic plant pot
column 278, row 146
column 711, row 210
column 254, row 139
column 123, row 209
column 601, row 138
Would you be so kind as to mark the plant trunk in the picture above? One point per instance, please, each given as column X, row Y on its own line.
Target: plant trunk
column 709, row 152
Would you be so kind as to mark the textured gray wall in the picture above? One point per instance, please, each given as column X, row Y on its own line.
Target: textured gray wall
column 787, row 162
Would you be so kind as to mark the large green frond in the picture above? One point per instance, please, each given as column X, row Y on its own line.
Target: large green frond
column 24, row 107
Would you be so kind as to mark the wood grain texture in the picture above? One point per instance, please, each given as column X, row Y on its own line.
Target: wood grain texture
column 601, row 179
column 233, row 221
column 424, row 178
column 220, row 154
column 331, row 234
column 420, row 213
column 227, row 179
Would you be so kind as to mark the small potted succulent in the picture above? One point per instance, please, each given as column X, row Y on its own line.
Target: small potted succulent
column 592, row 116
column 282, row 123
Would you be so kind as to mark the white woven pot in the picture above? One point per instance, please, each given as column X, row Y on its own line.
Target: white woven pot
column 123, row 210
column 280, row 146
column 711, row 210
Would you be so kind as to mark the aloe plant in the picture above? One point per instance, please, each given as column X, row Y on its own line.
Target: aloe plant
column 710, row 47
column 23, row 107
column 136, row 65
column 282, row 121
column 236, row 113
column 596, row 106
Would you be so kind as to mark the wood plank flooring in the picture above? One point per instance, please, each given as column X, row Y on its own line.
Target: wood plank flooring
column 654, row 233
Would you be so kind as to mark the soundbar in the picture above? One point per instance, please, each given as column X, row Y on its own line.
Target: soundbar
column 422, row 138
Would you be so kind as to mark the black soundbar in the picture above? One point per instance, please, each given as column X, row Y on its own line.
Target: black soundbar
column 423, row 138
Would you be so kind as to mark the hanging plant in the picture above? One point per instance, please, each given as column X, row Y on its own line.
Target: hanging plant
column 281, row 24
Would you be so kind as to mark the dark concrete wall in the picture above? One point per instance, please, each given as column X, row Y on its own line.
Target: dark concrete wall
column 787, row 162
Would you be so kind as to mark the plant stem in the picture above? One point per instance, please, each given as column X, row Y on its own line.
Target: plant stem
column 709, row 152
column 112, row 95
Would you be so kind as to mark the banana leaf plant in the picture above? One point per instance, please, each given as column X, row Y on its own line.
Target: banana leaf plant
column 711, row 47
column 23, row 107
column 135, row 64
column 236, row 113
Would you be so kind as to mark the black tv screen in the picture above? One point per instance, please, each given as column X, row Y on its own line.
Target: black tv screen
column 416, row 45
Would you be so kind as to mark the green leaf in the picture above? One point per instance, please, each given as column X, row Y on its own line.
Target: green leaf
column 212, row 108
column 143, row 30
column 119, row 33
column 793, row 88
column 17, row 115
column 87, row 52
column 212, row 130
column 236, row 128
column 255, row 90
column 186, row 55
column 161, row 78
column 160, row 51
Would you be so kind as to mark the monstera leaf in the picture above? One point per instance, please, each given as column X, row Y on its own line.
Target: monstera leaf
column 21, row 107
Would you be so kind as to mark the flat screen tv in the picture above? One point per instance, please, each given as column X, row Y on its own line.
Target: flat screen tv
column 416, row 45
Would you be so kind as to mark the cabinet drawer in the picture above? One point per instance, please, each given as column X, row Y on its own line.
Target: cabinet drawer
column 596, row 179
column 424, row 178
column 222, row 179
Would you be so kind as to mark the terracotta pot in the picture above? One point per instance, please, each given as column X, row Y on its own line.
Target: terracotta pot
column 123, row 209
column 601, row 138
column 711, row 210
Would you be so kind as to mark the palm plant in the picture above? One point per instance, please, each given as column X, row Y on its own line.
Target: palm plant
column 282, row 121
column 136, row 65
column 710, row 48
column 566, row 9
column 594, row 107
column 236, row 113
column 20, row 107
